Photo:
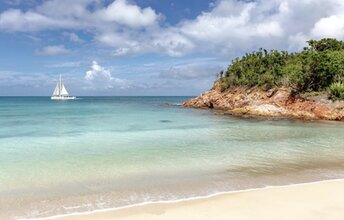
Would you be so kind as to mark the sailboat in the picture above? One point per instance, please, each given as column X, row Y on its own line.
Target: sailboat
column 60, row 92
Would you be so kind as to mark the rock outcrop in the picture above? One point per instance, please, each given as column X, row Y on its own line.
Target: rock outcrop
column 278, row 102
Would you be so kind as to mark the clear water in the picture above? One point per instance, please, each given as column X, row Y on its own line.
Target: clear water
column 103, row 152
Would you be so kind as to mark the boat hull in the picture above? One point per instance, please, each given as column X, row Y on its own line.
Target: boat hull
column 63, row 98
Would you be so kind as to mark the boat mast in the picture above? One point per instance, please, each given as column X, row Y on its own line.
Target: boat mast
column 60, row 86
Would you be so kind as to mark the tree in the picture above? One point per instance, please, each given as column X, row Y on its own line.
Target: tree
column 314, row 69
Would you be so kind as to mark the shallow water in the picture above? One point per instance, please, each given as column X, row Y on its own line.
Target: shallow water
column 103, row 152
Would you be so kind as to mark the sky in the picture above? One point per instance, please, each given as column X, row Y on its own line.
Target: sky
column 147, row 47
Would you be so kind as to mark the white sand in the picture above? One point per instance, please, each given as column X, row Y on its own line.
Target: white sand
column 322, row 200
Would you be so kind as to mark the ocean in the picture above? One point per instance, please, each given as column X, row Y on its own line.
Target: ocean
column 93, row 153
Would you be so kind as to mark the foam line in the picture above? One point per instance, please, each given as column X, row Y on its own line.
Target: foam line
column 181, row 200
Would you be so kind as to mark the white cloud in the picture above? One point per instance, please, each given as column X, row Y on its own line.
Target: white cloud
column 332, row 26
column 232, row 27
column 100, row 78
column 66, row 10
column 297, row 41
column 172, row 43
column 124, row 43
column 73, row 37
column 76, row 14
column 228, row 27
column 98, row 71
column 121, row 51
column 238, row 26
column 52, row 50
column 16, row 20
column 122, row 12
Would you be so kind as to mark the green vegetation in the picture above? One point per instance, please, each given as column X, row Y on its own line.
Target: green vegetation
column 336, row 90
column 318, row 68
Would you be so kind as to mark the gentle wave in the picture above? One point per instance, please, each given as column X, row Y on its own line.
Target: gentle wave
column 183, row 200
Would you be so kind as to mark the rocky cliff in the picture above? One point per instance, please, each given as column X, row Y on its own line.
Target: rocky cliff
column 278, row 102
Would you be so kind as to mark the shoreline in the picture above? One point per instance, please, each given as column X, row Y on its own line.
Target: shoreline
column 274, row 103
column 96, row 214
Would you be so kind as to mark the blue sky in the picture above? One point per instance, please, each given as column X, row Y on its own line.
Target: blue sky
column 147, row 47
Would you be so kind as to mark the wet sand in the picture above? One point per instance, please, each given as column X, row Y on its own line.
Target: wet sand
column 320, row 200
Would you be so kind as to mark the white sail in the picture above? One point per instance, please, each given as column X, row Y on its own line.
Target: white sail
column 64, row 91
column 60, row 92
column 57, row 90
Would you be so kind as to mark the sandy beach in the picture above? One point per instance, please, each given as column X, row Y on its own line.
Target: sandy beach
column 321, row 200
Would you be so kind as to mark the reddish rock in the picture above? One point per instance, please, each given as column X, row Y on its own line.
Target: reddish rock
column 273, row 103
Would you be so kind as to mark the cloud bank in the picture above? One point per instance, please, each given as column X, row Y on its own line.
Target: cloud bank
column 229, row 27
column 109, row 30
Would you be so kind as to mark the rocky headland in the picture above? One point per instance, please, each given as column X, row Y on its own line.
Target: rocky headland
column 277, row 102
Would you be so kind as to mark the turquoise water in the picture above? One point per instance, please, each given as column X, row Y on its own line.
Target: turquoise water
column 103, row 152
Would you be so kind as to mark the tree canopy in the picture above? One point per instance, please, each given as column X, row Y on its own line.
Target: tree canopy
column 315, row 69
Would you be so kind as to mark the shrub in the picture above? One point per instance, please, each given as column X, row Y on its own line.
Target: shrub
column 293, row 74
column 336, row 91
column 225, row 84
column 326, row 44
column 312, row 70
